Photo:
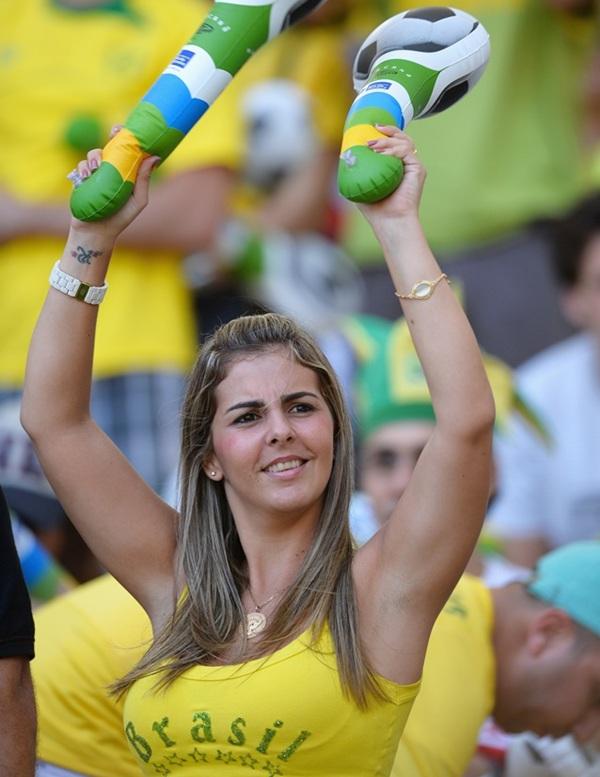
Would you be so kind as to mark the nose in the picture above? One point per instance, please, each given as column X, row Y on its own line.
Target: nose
column 402, row 474
column 280, row 428
column 398, row 477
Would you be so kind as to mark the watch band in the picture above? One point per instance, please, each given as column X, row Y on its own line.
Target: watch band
column 73, row 287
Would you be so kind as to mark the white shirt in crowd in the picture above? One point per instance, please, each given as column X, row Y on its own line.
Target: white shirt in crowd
column 552, row 491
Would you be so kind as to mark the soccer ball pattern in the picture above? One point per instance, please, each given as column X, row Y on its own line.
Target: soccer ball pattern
column 435, row 31
column 415, row 64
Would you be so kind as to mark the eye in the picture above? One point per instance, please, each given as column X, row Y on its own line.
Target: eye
column 300, row 408
column 383, row 459
column 246, row 418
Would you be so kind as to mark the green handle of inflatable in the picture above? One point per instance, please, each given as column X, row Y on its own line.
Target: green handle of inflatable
column 397, row 91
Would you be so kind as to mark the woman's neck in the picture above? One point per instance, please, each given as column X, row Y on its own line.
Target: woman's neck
column 274, row 558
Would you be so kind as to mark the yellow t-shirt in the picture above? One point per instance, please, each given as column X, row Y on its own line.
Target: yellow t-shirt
column 457, row 688
column 60, row 66
column 284, row 714
column 94, row 634
column 84, row 641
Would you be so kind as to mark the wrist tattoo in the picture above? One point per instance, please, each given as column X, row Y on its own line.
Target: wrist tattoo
column 85, row 255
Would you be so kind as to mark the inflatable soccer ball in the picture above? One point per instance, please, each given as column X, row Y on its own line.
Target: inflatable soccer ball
column 414, row 65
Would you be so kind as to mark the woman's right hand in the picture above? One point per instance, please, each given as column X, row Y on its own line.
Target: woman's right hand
column 112, row 227
column 404, row 201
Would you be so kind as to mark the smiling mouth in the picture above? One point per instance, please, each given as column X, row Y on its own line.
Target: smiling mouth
column 283, row 466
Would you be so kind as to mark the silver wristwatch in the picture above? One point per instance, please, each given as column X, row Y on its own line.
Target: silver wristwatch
column 73, row 287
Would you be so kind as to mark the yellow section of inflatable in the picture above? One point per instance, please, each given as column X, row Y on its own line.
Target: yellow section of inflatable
column 359, row 135
column 124, row 153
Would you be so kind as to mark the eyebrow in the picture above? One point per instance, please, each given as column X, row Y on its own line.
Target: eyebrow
column 258, row 404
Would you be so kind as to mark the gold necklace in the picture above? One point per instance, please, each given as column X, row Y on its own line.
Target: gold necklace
column 256, row 621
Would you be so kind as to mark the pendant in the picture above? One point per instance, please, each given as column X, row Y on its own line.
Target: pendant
column 255, row 623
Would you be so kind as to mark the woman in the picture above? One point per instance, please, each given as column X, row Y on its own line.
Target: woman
column 277, row 648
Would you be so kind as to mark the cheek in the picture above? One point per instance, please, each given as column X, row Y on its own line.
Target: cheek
column 371, row 480
column 377, row 484
column 323, row 433
column 570, row 701
column 231, row 450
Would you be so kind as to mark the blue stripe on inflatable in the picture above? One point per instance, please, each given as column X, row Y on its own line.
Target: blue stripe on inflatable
column 173, row 99
column 379, row 100
column 186, row 120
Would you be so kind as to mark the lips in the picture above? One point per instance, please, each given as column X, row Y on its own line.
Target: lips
column 282, row 465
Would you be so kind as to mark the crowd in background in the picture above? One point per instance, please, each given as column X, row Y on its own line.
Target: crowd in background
column 245, row 217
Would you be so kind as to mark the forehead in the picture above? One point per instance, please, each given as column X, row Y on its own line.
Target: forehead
column 265, row 376
column 400, row 435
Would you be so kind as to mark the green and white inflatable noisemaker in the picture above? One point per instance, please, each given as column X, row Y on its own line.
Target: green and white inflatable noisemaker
column 227, row 38
column 414, row 65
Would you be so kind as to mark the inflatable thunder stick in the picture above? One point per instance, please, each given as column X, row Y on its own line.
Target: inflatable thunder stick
column 227, row 38
column 414, row 65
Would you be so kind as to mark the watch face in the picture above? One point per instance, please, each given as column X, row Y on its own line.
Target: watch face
column 82, row 291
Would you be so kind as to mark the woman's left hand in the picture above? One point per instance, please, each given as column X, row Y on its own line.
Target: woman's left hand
column 404, row 201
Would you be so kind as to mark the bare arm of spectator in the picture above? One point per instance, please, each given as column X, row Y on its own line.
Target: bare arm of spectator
column 301, row 203
column 17, row 705
column 17, row 754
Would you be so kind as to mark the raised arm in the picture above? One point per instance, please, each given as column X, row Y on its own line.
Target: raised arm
column 410, row 567
column 127, row 526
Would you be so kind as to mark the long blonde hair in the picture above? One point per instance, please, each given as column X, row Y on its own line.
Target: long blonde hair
column 210, row 616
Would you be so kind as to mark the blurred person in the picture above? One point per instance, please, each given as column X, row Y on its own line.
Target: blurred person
column 17, row 755
column 507, row 156
column 550, row 495
column 26, row 488
column 266, row 478
column 393, row 413
column 69, row 71
column 53, row 556
column 85, row 640
column 526, row 653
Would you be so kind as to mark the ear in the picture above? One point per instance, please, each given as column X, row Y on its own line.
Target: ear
column 550, row 629
column 212, row 468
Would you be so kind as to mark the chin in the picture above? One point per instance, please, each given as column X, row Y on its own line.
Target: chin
column 291, row 506
column 511, row 724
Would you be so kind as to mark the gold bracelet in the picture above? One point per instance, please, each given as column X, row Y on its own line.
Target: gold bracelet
column 423, row 289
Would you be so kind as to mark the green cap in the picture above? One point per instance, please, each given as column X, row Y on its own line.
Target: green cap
column 389, row 381
column 390, row 385
column 569, row 578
